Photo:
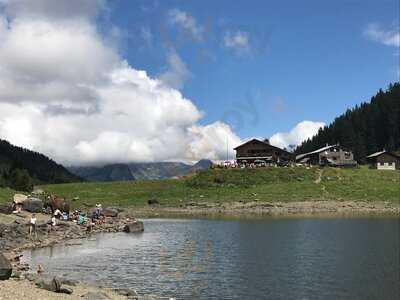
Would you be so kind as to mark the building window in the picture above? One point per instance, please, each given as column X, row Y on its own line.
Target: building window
column 390, row 163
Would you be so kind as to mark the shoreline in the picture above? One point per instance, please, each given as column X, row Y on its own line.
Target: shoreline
column 69, row 231
column 257, row 209
column 15, row 240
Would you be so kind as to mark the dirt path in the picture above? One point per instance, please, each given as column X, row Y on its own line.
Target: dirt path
column 319, row 178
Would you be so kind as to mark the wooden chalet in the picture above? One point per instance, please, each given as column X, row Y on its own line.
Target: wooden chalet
column 256, row 151
column 330, row 155
column 384, row 160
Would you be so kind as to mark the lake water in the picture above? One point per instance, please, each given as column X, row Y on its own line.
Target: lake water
column 307, row 258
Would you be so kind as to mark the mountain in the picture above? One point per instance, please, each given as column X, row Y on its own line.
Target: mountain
column 21, row 168
column 139, row 171
column 365, row 129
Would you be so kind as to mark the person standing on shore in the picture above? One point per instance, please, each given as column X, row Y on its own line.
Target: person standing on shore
column 32, row 225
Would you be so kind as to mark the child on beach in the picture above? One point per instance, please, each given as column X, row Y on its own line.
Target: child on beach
column 32, row 225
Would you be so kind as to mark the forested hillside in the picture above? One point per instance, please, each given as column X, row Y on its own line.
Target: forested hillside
column 21, row 168
column 366, row 128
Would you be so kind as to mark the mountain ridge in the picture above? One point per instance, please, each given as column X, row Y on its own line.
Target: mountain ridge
column 138, row 171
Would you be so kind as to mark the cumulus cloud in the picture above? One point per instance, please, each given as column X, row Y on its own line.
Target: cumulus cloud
column 207, row 141
column 187, row 23
column 301, row 132
column 238, row 40
column 66, row 92
column 50, row 9
column 386, row 37
column 177, row 72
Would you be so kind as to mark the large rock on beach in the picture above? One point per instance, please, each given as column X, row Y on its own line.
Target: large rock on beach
column 19, row 198
column 33, row 205
column 136, row 226
column 5, row 268
column 52, row 285
column 110, row 212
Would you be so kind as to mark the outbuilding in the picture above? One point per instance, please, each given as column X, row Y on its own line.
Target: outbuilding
column 330, row 155
column 384, row 160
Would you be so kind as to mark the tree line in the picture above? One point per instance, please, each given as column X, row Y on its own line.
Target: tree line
column 364, row 129
column 21, row 169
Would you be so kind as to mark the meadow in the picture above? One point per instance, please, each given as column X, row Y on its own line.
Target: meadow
column 224, row 185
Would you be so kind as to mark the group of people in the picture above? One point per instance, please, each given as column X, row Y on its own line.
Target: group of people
column 77, row 216
column 51, row 224
column 89, row 220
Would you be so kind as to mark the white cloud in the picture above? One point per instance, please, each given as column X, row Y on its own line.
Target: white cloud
column 386, row 37
column 66, row 92
column 298, row 134
column 187, row 23
column 51, row 9
column 238, row 40
column 177, row 72
column 213, row 141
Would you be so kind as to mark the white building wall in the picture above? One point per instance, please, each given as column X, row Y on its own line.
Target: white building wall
column 386, row 166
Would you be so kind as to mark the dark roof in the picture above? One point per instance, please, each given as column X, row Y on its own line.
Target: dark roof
column 377, row 154
column 261, row 142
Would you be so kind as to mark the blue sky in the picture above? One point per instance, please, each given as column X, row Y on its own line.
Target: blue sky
column 92, row 82
column 306, row 60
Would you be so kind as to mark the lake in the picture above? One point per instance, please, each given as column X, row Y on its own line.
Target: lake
column 272, row 258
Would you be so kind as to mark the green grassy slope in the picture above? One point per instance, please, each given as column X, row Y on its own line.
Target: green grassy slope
column 6, row 195
column 264, row 184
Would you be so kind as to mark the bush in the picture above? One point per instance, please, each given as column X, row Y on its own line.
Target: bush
column 21, row 181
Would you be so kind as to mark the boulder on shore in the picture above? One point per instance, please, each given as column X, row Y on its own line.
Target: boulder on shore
column 134, row 227
column 5, row 268
column 19, row 198
column 33, row 205
column 52, row 285
column 110, row 212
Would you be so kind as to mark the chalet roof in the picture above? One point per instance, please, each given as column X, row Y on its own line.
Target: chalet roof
column 261, row 142
column 376, row 154
column 300, row 156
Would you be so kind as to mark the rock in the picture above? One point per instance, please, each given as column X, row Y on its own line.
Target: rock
column 53, row 285
column 127, row 292
column 19, row 198
column 33, row 205
column 32, row 276
column 110, row 212
column 16, row 274
column 153, row 202
column 70, row 282
column 65, row 290
column 96, row 296
column 134, row 227
column 5, row 268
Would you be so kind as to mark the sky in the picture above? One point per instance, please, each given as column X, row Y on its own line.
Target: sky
column 90, row 82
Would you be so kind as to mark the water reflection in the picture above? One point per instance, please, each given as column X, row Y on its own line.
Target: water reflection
column 241, row 259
